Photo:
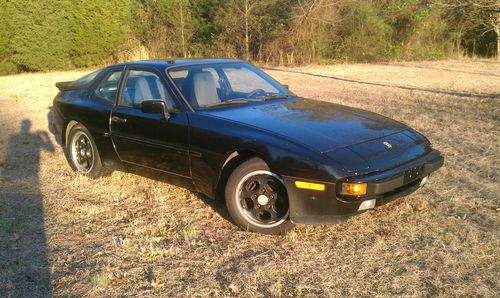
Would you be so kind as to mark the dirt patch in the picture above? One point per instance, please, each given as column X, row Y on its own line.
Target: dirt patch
column 63, row 234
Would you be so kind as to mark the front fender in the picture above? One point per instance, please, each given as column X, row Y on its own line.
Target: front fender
column 214, row 140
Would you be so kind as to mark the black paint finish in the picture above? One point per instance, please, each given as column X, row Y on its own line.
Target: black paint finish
column 300, row 139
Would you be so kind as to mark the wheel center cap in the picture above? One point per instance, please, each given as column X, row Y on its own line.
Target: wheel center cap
column 263, row 200
column 82, row 152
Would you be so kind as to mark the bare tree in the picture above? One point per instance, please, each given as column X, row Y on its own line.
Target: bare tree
column 245, row 9
column 471, row 14
column 314, row 22
column 239, row 20
column 493, row 24
column 178, row 20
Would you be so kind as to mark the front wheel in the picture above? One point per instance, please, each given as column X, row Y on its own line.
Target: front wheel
column 257, row 199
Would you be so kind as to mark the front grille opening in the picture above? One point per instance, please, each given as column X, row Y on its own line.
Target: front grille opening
column 400, row 189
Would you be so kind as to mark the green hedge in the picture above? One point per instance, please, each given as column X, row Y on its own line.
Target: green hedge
column 58, row 34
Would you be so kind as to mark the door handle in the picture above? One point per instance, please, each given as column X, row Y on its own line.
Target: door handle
column 118, row 119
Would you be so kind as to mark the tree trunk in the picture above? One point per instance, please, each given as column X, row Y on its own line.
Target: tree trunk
column 497, row 31
column 183, row 39
column 498, row 44
column 459, row 41
column 247, row 42
column 259, row 54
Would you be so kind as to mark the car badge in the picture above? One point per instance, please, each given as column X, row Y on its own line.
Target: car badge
column 387, row 144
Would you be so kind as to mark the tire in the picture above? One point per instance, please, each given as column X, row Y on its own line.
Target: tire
column 82, row 154
column 257, row 199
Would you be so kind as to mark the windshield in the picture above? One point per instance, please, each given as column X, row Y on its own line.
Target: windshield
column 210, row 85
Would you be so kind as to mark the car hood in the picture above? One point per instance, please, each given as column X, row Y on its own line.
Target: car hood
column 321, row 126
column 359, row 140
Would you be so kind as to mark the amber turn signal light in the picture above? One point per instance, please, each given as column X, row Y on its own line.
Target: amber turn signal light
column 354, row 189
column 309, row 185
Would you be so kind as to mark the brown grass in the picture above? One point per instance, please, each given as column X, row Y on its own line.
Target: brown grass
column 62, row 234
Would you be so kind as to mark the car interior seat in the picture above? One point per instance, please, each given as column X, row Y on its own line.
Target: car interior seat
column 142, row 91
column 204, row 89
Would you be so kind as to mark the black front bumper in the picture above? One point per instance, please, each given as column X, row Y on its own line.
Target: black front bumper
column 328, row 206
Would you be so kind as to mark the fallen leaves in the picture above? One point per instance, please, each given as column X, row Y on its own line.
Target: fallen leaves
column 120, row 280
column 15, row 237
column 156, row 283
column 233, row 288
column 57, row 282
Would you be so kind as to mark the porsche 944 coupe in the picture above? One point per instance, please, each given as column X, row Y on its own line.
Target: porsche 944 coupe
column 226, row 129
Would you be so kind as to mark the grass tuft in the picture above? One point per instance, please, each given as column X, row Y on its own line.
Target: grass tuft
column 100, row 280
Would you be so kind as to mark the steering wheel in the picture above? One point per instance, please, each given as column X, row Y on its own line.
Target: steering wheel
column 255, row 92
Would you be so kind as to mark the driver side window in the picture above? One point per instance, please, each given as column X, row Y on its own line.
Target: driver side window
column 144, row 85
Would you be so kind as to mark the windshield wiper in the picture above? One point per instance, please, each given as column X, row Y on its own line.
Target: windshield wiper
column 274, row 96
column 244, row 100
column 228, row 102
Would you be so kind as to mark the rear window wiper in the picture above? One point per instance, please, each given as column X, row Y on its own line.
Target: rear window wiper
column 274, row 96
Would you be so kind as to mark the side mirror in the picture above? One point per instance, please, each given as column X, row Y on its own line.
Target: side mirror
column 286, row 87
column 155, row 107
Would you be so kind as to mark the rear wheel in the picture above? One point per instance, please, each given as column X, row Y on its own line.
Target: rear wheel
column 257, row 199
column 82, row 153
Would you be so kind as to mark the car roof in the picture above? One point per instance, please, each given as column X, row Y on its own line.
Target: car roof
column 176, row 62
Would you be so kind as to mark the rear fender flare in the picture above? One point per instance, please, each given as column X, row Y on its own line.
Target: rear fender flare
column 67, row 130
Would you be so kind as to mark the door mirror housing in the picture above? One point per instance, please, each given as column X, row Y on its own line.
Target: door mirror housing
column 155, row 107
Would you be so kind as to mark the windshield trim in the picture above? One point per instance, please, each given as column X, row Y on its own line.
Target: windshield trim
column 186, row 66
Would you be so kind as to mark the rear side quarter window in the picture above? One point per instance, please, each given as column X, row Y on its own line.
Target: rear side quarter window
column 108, row 87
column 87, row 78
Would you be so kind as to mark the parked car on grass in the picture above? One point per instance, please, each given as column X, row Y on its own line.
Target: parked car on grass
column 226, row 129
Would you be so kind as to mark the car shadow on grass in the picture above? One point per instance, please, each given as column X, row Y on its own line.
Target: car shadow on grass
column 25, row 270
column 51, row 127
column 218, row 205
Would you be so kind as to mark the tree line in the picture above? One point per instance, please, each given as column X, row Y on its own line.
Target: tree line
column 61, row 34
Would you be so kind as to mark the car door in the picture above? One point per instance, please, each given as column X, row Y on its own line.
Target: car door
column 149, row 140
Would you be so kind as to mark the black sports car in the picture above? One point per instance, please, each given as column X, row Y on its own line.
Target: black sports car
column 226, row 129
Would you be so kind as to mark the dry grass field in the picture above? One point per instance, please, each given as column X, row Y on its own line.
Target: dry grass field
column 65, row 235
